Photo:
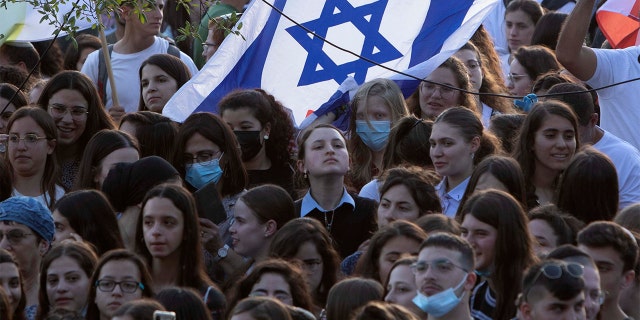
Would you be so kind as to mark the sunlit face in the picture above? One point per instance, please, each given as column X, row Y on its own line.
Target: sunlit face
column 63, row 228
column 519, row 29
column 67, row 284
column 157, row 87
column 28, row 159
column 473, row 65
column 153, row 22
column 325, row 154
column 397, row 204
column 450, row 153
column 489, row 181
column 444, row 270
column 70, row 128
column 373, row 108
column 392, row 251
column 312, row 264
column 211, row 45
column 610, row 265
column 592, row 292
column 10, row 282
column 554, row 145
column 546, row 238
column 520, row 82
column 163, row 227
column 435, row 99
column 247, row 232
column 402, row 286
column 198, row 144
column 28, row 251
column 117, row 270
column 6, row 114
column 273, row 285
column 482, row 237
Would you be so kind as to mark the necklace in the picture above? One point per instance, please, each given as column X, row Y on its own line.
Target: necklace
column 328, row 223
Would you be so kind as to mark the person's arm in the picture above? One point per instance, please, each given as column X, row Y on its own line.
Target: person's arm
column 578, row 59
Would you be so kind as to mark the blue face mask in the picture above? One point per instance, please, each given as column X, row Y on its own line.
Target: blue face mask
column 374, row 136
column 440, row 303
column 199, row 174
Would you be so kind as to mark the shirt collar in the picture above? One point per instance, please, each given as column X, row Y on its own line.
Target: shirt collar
column 455, row 193
column 309, row 203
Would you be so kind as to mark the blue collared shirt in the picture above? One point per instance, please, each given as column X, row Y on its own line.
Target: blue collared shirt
column 309, row 203
column 451, row 200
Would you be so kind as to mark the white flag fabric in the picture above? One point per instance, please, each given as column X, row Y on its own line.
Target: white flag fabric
column 306, row 73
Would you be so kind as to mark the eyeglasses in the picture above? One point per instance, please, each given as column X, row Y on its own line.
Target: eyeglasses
column 597, row 295
column 202, row 157
column 439, row 266
column 58, row 111
column 282, row 296
column 513, row 77
column 125, row 286
column 29, row 138
column 429, row 89
column 554, row 271
column 207, row 44
column 14, row 236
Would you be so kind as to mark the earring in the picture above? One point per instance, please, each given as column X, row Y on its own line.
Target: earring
column 305, row 176
column 266, row 137
column 473, row 155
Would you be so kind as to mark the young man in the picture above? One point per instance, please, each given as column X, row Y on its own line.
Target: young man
column 138, row 43
column 614, row 251
column 20, row 54
column 552, row 289
column 601, row 67
column 593, row 295
column 26, row 230
column 444, row 277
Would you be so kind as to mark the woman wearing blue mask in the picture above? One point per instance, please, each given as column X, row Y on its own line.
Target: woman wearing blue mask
column 375, row 108
column 208, row 152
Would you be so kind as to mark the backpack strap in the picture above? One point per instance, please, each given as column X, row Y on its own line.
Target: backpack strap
column 173, row 50
column 102, row 75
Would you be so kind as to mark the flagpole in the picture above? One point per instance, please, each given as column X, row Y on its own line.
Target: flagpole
column 107, row 62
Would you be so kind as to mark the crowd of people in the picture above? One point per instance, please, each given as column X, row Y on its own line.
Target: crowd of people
column 463, row 200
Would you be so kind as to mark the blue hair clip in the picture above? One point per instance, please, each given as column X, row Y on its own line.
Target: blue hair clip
column 527, row 102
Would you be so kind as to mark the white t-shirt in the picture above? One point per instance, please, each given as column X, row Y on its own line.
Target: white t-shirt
column 125, row 71
column 626, row 159
column 371, row 190
column 43, row 198
column 619, row 113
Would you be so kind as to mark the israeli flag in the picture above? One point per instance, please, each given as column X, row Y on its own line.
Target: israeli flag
column 313, row 55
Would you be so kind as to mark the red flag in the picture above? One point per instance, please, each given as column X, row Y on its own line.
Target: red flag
column 619, row 22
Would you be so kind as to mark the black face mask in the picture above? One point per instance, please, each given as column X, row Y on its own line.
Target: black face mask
column 249, row 143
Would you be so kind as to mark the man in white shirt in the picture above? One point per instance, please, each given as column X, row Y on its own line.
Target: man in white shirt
column 138, row 43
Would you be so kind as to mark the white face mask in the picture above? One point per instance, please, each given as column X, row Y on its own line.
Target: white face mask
column 440, row 303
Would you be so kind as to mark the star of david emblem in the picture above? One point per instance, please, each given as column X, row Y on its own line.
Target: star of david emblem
column 366, row 18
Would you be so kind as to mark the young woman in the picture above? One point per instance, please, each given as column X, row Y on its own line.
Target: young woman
column 126, row 185
column 483, row 81
column 350, row 294
column 401, row 287
column 530, row 62
column 31, row 144
column 375, row 108
column 257, row 216
column 496, row 172
column 386, row 246
column 458, row 142
column 520, row 19
column 11, row 282
column 323, row 160
column 97, row 226
column 545, row 146
column 255, row 308
column 161, row 75
column 264, row 130
column 430, row 99
column 551, row 228
column 8, row 106
column 408, row 145
column 207, row 152
column 73, row 101
column 187, row 304
column 64, row 278
column 103, row 151
column 155, row 133
column 495, row 225
column 119, row 277
column 168, row 237
column 75, row 56
column 277, row 279
column 141, row 309
column 306, row 241
column 589, row 187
